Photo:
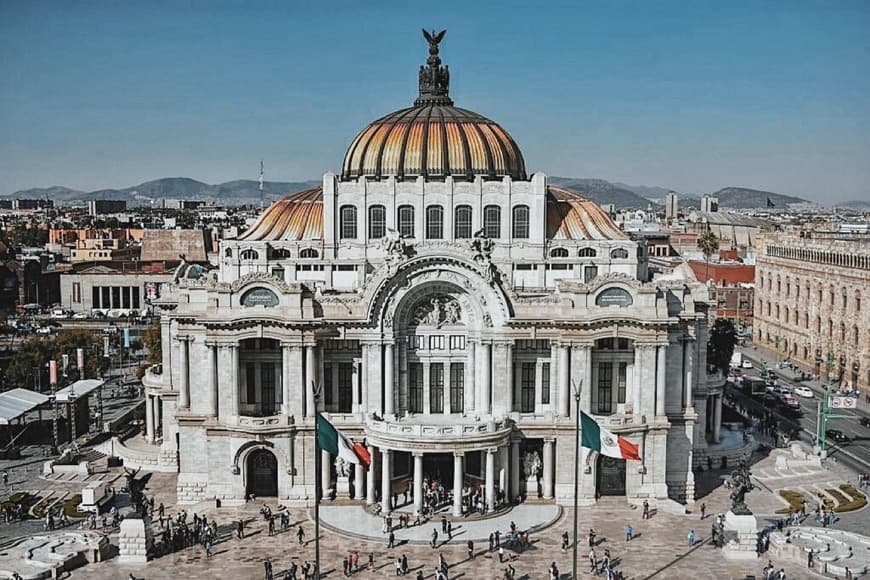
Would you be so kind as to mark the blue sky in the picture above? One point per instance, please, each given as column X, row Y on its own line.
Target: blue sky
column 691, row 95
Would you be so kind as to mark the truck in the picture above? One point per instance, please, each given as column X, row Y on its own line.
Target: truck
column 94, row 496
column 753, row 386
column 736, row 359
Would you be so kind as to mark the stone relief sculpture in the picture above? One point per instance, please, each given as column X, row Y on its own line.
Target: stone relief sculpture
column 440, row 310
column 342, row 467
column 396, row 249
column 532, row 464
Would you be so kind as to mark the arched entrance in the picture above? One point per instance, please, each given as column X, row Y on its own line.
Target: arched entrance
column 262, row 474
column 611, row 476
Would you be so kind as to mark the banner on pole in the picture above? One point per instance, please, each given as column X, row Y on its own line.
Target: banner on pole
column 105, row 346
column 126, row 338
column 52, row 372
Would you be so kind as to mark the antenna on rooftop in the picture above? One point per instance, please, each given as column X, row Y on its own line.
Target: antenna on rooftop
column 261, row 184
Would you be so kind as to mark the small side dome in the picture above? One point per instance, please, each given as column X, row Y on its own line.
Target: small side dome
column 570, row 216
column 299, row 216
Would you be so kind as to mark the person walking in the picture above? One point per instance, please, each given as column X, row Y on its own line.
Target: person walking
column 398, row 566
column 491, row 541
column 300, row 533
column 703, row 510
column 434, row 538
column 591, row 537
column 497, row 539
column 404, row 564
column 267, row 565
column 593, row 561
column 645, row 509
column 691, row 538
column 391, row 541
column 500, row 554
column 629, row 533
column 565, row 541
column 470, row 549
column 449, row 530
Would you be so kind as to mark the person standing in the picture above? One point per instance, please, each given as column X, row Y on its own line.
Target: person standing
column 491, row 541
column 434, row 538
column 497, row 539
column 629, row 533
column 300, row 533
column 565, row 542
column 593, row 561
column 391, row 541
column 470, row 549
column 703, row 510
column 404, row 564
column 691, row 538
column 398, row 566
column 449, row 530
column 500, row 554
column 645, row 509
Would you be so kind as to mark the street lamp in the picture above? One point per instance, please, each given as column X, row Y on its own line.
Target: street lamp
column 576, row 389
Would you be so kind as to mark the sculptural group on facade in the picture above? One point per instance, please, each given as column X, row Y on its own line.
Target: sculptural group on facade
column 532, row 464
column 396, row 249
column 342, row 467
column 440, row 310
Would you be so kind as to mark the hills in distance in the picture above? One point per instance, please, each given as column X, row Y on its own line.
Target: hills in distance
column 246, row 191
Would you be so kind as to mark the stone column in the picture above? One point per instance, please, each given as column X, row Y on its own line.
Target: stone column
column 688, row 403
column 504, row 468
column 717, row 418
column 370, row 489
column 547, row 475
column 509, row 379
column 310, row 377
column 389, row 371
column 386, row 481
column 490, row 479
column 158, row 417
column 636, row 384
column 539, row 387
column 485, row 405
column 212, row 408
column 294, row 389
column 234, row 402
column 470, row 382
column 359, row 482
column 184, row 373
column 354, row 385
column 586, row 377
column 564, row 381
column 662, row 351
column 166, row 354
column 514, row 491
column 457, row 483
column 418, row 481
column 149, row 419
column 325, row 472
column 286, row 379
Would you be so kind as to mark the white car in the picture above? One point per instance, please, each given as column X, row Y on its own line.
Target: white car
column 803, row 392
column 746, row 364
column 80, row 316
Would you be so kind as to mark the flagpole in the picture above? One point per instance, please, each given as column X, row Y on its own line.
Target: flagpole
column 577, row 390
column 317, row 481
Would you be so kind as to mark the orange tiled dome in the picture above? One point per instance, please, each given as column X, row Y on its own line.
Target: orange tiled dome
column 299, row 216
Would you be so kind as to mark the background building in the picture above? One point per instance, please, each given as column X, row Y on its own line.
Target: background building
column 811, row 292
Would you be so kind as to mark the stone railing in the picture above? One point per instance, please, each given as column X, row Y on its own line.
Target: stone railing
column 405, row 428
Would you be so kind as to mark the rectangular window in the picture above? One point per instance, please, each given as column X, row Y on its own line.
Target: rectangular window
column 521, row 222
column 457, row 387
column 377, row 222
column 136, row 303
column 436, row 388
column 605, row 388
column 116, row 297
column 436, row 342
column 406, row 221
column 492, row 221
column 527, row 387
column 348, row 222
column 415, row 387
column 267, row 387
column 434, row 222
column 457, row 343
column 95, row 297
column 416, row 343
column 125, row 297
column 345, row 387
column 590, row 273
column 76, row 291
column 462, row 222
column 250, row 383
column 621, row 381
column 327, row 385
column 106, row 299
column 545, row 383
column 278, row 273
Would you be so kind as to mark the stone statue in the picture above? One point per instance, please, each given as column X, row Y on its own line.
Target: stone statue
column 740, row 483
column 342, row 467
column 395, row 249
column 452, row 312
column 481, row 246
column 134, row 486
column 532, row 464
column 439, row 311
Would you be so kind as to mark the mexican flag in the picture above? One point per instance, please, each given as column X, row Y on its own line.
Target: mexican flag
column 331, row 439
column 599, row 439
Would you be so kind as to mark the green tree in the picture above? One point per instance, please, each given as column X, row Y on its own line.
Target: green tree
column 708, row 243
column 720, row 345
column 152, row 341
column 33, row 354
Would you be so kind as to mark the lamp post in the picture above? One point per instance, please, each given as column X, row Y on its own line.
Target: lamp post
column 317, row 388
column 576, row 389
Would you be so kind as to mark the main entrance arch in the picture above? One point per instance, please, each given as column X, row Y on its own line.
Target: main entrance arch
column 262, row 474
column 611, row 476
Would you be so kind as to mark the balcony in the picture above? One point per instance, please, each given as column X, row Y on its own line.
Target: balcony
column 426, row 432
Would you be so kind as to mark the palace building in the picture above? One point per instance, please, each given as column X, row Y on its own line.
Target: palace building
column 448, row 310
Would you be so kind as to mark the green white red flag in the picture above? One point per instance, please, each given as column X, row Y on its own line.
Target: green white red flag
column 599, row 439
column 331, row 439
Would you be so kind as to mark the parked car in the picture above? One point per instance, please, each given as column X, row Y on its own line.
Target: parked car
column 44, row 330
column 80, row 316
column 865, row 421
column 746, row 364
column 837, row 436
column 805, row 392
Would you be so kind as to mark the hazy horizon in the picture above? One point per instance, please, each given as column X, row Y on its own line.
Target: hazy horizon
column 693, row 97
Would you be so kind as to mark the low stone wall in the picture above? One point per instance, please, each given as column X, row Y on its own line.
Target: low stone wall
column 191, row 488
column 137, row 459
column 50, row 467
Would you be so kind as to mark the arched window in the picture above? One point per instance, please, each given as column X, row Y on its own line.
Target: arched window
column 558, row 253
column 406, row 221
column 377, row 222
column 619, row 254
column 857, row 301
column 434, row 222
column 308, row 253
column 462, row 222
column 521, row 222
column 228, row 252
column 348, row 222
column 587, row 253
column 280, row 253
column 855, row 335
column 249, row 255
column 492, row 221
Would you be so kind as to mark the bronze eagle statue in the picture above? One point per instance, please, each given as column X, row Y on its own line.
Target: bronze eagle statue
column 433, row 38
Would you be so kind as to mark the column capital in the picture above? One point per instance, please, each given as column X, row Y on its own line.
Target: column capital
column 291, row 345
column 212, row 343
column 183, row 338
column 549, row 440
column 417, row 453
column 491, row 450
column 458, row 454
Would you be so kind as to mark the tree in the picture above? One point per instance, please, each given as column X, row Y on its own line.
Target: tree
column 708, row 243
column 33, row 355
column 152, row 341
column 720, row 345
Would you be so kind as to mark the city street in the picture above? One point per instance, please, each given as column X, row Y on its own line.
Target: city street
column 856, row 452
